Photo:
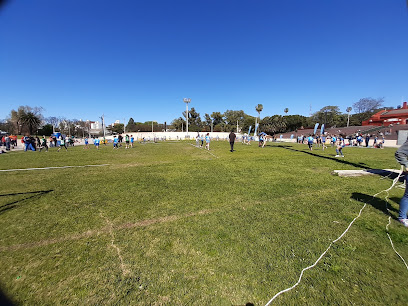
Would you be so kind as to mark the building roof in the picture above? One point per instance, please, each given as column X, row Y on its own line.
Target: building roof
column 395, row 112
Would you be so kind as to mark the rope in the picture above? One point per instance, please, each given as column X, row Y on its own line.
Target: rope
column 334, row 241
column 46, row 168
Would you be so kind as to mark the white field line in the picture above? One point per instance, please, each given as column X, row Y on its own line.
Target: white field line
column 47, row 168
column 334, row 241
column 203, row 149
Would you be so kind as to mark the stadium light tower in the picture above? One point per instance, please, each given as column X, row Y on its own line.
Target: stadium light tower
column 187, row 100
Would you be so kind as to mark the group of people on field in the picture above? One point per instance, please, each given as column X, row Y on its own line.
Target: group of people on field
column 358, row 140
column 200, row 140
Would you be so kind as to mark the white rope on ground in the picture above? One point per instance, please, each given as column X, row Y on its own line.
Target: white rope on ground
column 334, row 241
column 389, row 217
column 317, row 261
column 202, row 149
column 46, row 168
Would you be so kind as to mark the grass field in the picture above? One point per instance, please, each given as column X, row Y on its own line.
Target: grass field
column 171, row 224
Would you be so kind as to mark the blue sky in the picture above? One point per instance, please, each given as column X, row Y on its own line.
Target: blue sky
column 84, row 58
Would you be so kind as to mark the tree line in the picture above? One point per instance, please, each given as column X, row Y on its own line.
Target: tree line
column 30, row 120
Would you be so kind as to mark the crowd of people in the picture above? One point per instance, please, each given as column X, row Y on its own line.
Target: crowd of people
column 357, row 140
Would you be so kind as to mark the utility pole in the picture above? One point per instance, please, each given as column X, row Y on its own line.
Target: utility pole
column 187, row 100
column 103, row 124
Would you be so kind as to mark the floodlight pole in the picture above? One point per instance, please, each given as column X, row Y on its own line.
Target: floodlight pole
column 187, row 100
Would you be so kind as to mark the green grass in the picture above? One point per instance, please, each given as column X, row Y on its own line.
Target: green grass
column 170, row 224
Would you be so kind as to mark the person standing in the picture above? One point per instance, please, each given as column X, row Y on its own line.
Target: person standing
column 132, row 140
column 401, row 155
column 7, row 142
column 97, row 143
column 127, row 140
column 115, row 142
column 86, row 143
column 232, row 137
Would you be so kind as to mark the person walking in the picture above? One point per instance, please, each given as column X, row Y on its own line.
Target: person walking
column 232, row 137
column 207, row 141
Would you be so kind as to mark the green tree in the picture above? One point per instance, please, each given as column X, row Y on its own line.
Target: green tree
column 194, row 121
column 259, row 109
column 46, row 130
column 232, row 117
column 295, row 122
column 26, row 119
column 329, row 116
column 131, row 126
column 116, row 128
column 272, row 125
column 179, row 124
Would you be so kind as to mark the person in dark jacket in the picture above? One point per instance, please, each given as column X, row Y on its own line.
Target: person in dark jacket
column 232, row 137
column 402, row 157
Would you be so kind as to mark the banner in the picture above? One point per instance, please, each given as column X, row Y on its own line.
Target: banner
column 315, row 128
column 322, row 130
column 256, row 127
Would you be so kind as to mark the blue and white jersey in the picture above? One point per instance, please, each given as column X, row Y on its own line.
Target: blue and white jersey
column 310, row 139
column 334, row 138
column 207, row 139
column 115, row 140
column 86, row 141
column 96, row 142
column 132, row 139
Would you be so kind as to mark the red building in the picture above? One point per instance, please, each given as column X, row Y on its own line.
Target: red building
column 387, row 117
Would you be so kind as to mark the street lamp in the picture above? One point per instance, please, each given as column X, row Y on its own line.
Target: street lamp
column 187, row 100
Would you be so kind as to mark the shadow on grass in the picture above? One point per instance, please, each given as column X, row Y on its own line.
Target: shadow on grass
column 341, row 161
column 5, row 300
column 11, row 205
column 375, row 202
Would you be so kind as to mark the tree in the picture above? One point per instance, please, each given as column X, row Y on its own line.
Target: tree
column 179, row 123
column 365, row 108
column 348, row 110
column 26, row 118
column 259, row 109
column 116, row 128
column 329, row 116
column 232, row 117
column 131, row 126
column 54, row 121
column 272, row 125
column 46, row 130
column 295, row 122
column 365, row 105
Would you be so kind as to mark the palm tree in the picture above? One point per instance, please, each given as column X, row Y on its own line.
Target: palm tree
column 259, row 109
column 32, row 121
column 286, row 110
column 348, row 110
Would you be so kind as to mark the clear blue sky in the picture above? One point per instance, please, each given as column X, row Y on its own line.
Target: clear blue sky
column 84, row 58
